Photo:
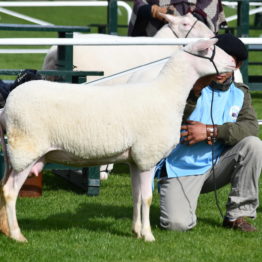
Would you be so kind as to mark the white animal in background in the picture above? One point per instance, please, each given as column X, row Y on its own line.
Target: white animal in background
column 114, row 59
column 65, row 123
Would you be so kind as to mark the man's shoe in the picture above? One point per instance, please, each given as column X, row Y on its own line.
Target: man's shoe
column 239, row 224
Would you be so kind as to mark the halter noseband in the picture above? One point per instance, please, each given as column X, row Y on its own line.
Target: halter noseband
column 211, row 59
column 187, row 32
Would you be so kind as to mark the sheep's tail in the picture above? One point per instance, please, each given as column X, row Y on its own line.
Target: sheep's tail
column 4, row 150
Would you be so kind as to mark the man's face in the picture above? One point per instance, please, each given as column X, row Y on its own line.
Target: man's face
column 221, row 78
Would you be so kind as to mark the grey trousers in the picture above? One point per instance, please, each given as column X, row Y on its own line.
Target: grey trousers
column 240, row 166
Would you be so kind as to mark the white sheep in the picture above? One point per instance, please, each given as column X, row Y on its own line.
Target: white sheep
column 138, row 124
column 114, row 59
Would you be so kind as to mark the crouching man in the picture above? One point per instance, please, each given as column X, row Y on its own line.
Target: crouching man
column 219, row 125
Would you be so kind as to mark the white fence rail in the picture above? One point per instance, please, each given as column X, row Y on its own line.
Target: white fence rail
column 23, row 17
column 251, row 12
column 116, row 41
column 65, row 4
column 75, row 4
column 97, row 42
column 234, row 4
column 23, row 51
column 127, row 8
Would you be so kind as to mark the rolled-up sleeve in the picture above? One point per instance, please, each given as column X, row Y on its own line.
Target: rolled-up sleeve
column 246, row 124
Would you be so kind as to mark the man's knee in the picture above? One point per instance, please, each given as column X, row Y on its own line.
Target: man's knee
column 252, row 145
column 177, row 224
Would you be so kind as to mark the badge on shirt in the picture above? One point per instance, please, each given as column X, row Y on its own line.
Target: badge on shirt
column 234, row 111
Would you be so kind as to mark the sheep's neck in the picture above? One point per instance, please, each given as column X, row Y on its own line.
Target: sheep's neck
column 178, row 76
column 165, row 32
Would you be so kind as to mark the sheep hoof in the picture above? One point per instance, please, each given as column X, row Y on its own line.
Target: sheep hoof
column 149, row 237
column 104, row 175
column 138, row 235
column 19, row 238
column 136, row 229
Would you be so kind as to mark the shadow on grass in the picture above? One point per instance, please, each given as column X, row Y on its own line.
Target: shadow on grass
column 90, row 216
column 121, row 169
column 55, row 182
column 256, row 94
column 209, row 221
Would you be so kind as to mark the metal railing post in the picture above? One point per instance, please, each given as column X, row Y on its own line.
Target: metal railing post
column 65, row 55
column 112, row 17
column 243, row 30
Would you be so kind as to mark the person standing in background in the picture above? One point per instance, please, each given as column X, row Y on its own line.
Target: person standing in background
column 146, row 21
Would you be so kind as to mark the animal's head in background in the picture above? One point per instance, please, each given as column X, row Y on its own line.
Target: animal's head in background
column 187, row 26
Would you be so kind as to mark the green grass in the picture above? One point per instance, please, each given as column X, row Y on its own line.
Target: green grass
column 66, row 225
column 77, row 16
column 257, row 104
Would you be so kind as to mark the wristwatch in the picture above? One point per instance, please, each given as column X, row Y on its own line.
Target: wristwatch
column 211, row 134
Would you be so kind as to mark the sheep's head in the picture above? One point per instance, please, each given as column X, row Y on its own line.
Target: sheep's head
column 187, row 26
column 209, row 59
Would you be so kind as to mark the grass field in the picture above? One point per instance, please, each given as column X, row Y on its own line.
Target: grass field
column 65, row 225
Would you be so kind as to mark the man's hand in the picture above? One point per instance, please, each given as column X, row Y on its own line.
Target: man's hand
column 155, row 10
column 194, row 132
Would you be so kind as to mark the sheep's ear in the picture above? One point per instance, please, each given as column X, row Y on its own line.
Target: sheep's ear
column 168, row 18
column 189, row 15
column 201, row 45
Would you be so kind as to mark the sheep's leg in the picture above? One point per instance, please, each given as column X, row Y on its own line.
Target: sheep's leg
column 136, row 191
column 142, row 198
column 105, row 171
column 146, row 180
column 10, row 193
column 4, row 228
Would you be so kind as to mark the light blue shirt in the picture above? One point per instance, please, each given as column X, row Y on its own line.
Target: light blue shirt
column 196, row 159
